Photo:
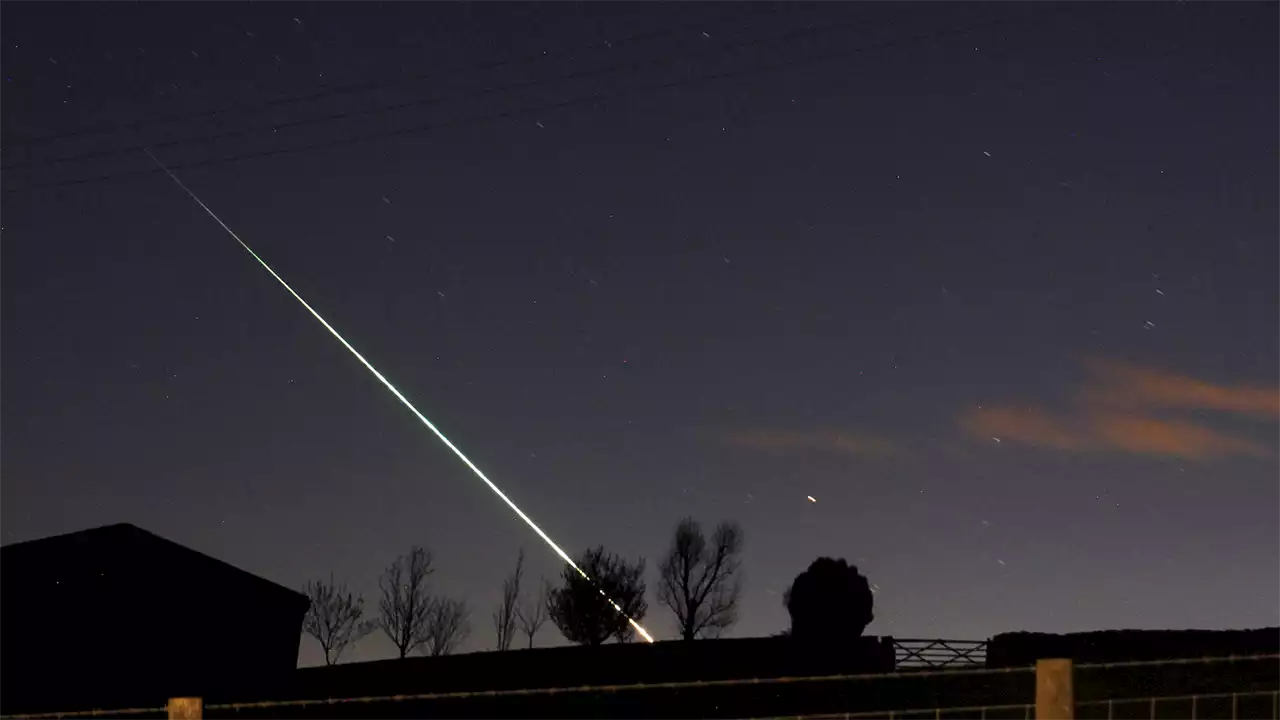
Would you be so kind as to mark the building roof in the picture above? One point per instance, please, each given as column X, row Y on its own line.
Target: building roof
column 128, row 549
column 134, row 617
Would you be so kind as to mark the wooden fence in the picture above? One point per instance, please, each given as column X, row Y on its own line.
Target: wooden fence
column 1235, row 688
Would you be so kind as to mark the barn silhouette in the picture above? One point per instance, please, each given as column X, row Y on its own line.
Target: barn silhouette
column 117, row 616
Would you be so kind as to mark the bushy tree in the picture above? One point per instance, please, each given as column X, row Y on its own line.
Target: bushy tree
column 581, row 611
column 830, row 602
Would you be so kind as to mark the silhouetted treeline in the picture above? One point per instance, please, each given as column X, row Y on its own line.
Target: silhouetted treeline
column 1024, row 648
column 596, row 600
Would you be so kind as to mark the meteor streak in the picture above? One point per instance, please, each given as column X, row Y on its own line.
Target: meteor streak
column 528, row 521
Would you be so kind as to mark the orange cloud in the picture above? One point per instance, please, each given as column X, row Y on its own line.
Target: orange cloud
column 1027, row 425
column 1122, row 384
column 1115, row 413
column 1151, row 436
column 1101, row 431
column 795, row 440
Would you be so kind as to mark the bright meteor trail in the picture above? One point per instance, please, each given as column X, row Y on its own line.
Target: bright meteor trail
column 528, row 521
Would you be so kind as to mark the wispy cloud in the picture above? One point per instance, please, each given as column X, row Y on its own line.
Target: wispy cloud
column 1125, row 385
column 836, row 441
column 1116, row 411
column 1027, row 425
column 1174, row 438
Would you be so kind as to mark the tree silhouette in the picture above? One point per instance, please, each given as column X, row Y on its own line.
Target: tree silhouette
column 334, row 617
column 405, row 604
column 448, row 624
column 701, row 584
column 504, row 618
column 583, row 615
column 831, row 602
column 531, row 613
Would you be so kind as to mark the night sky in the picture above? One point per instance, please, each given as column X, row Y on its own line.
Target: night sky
column 995, row 284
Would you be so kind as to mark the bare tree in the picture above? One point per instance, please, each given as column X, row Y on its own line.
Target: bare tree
column 334, row 617
column 531, row 613
column 583, row 608
column 448, row 624
column 504, row 618
column 406, row 606
column 700, row 584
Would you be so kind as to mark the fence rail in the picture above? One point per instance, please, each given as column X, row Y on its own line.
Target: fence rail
column 1248, row 703
column 1018, row 711
column 1235, row 706
column 933, row 652
column 102, row 713
column 1231, row 706
column 1212, row 706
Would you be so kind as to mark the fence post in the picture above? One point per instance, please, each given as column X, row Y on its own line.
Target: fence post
column 1055, row 696
column 186, row 708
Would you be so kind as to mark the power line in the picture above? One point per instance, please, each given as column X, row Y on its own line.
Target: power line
column 383, row 109
column 594, row 98
column 597, row 97
column 367, row 86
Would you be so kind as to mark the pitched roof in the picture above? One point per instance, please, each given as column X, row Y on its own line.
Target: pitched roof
column 126, row 548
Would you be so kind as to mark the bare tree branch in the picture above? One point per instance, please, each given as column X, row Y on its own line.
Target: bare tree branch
column 701, row 585
column 531, row 613
column 334, row 617
column 405, row 604
column 447, row 626
column 504, row 618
